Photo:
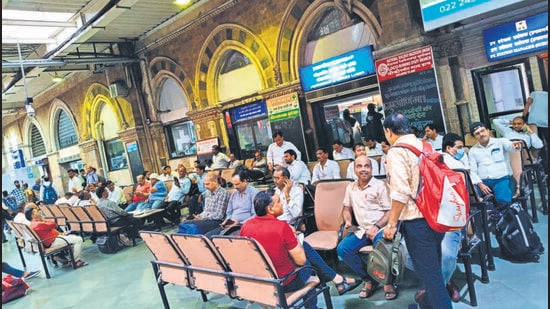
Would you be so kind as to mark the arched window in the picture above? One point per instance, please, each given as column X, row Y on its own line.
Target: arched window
column 173, row 109
column 238, row 76
column 37, row 142
column 332, row 21
column 66, row 133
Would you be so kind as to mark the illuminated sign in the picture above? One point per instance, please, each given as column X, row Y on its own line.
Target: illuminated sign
column 438, row 13
column 249, row 111
column 338, row 69
column 517, row 38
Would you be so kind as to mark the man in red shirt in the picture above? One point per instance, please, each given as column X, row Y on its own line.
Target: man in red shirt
column 48, row 233
column 141, row 193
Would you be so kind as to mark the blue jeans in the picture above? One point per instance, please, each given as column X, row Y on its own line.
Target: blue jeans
column 348, row 251
column 449, row 252
column 324, row 271
column 424, row 247
column 133, row 206
column 502, row 189
column 7, row 269
column 299, row 282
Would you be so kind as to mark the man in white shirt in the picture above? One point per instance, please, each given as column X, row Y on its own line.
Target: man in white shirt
column 116, row 194
column 167, row 174
column 291, row 195
column 299, row 172
column 233, row 162
column 75, row 183
column 219, row 159
column 520, row 130
column 276, row 151
column 373, row 148
column 340, row 152
column 433, row 137
column 359, row 150
column 326, row 168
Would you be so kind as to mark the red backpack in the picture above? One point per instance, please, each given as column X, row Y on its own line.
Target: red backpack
column 442, row 196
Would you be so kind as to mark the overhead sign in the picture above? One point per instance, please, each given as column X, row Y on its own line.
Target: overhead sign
column 517, row 37
column 249, row 111
column 283, row 107
column 410, row 62
column 438, row 13
column 341, row 68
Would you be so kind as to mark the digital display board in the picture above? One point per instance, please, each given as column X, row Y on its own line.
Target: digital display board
column 338, row 69
column 438, row 13
column 517, row 37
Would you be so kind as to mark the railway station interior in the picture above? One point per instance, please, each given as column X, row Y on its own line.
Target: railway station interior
column 129, row 87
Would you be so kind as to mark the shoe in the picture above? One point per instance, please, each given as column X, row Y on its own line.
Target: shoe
column 366, row 293
column 32, row 274
column 81, row 263
column 344, row 287
column 452, row 289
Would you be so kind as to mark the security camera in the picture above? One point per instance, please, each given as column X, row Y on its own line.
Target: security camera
column 30, row 110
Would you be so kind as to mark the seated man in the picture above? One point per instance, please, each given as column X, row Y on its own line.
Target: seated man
column 233, row 162
column 258, row 169
column 215, row 205
column 279, row 241
column 339, row 152
column 116, row 194
column 157, row 193
column 299, row 172
column 360, row 150
column 488, row 164
column 173, row 201
column 116, row 215
column 520, row 130
column 140, row 195
column 325, row 168
column 290, row 194
column 368, row 201
column 431, row 136
column 69, row 198
column 241, row 204
column 48, row 232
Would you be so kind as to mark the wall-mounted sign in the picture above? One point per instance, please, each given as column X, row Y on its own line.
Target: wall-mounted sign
column 438, row 13
column 283, row 107
column 249, row 111
column 204, row 147
column 341, row 68
column 408, row 85
column 517, row 37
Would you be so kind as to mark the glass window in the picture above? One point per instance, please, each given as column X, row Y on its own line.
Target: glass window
column 253, row 135
column 37, row 142
column 182, row 139
column 66, row 134
column 116, row 156
column 332, row 20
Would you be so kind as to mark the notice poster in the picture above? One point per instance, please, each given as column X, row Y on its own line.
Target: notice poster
column 408, row 85
column 284, row 115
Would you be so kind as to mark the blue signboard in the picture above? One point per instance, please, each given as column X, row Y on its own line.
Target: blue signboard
column 517, row 37
column 338, row 69
column 438, row 13
column 249, row 111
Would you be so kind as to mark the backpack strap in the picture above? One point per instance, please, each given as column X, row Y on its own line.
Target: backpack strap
column 426, row 147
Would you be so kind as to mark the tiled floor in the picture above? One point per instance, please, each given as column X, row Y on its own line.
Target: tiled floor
column 125, row 280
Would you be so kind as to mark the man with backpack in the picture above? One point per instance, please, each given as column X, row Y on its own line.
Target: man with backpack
column 423, row 243
column 48, row 192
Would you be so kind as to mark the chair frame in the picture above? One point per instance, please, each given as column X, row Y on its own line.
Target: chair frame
column 44, row 252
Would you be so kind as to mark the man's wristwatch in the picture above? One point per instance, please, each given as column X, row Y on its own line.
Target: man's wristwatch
column 391, row 226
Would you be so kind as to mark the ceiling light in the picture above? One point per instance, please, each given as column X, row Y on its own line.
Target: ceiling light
column 182, row 2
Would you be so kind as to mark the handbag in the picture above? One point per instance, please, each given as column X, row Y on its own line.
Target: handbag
column 13, row 288
column 386, row 262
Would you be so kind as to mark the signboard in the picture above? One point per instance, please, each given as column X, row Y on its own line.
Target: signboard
column 408, row 85
column 249, row 111
column 517, row 38
column 204, row 147
column 338, row 69
column 438, row 13
column 284, row 115
column 134, row 159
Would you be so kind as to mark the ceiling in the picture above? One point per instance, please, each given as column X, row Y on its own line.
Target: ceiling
column 96, row 30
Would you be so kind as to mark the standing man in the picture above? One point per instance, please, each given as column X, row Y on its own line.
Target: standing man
column 489, row 166
column 219, row 159
column 241, row 203
column 368, row 201
column 215, row 205
column 326, row 168
column 75, row 183
column 423, row 243
column 299, row 172
column 18, row 193
column 536, row 111
column 339, row 152
column 91, row 175
column 276, row 151
column 290, row 194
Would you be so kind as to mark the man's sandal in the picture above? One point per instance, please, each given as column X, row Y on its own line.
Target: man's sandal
column 344, row 287
column 391, row 294
column 366, row 292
